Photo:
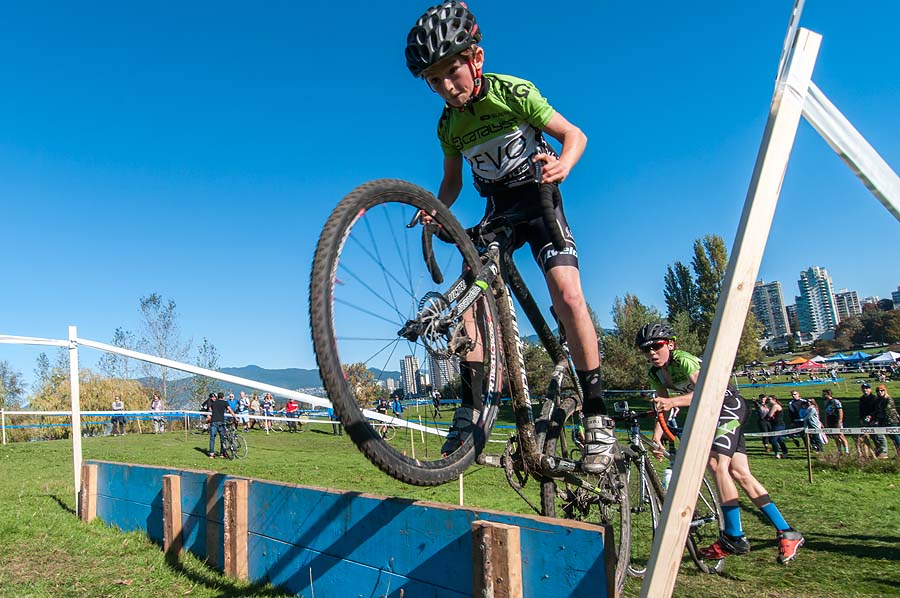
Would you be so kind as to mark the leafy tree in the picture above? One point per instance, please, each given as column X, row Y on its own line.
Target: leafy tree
column 682, row 294
column 846, row 331
column 538, row 368
column 710, row 261
column 207, row 358
column 362, row 382
column 119, row 366
column 12, row 387
column 791, row 343
column 748, row 348
column 96, row 393
column 687, row 337
column 161, row 336
column 623, row 366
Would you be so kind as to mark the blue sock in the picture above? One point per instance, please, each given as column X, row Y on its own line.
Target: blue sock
column 774, row 515
column 732, row 515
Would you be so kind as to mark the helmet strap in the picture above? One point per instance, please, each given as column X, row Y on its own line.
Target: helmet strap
column 477, row 84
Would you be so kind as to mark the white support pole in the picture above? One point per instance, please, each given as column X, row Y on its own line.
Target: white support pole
column 853, row 149
column 76, row 411
column 731, row 312
column 3, row 425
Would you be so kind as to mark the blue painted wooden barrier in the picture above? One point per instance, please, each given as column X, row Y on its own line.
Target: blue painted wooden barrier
column 352, row 544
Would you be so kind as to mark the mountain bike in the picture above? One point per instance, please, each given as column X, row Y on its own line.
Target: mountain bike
column 378, row 296
column 647, row 493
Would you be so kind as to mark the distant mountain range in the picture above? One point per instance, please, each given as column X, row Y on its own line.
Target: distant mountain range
column 180, row 390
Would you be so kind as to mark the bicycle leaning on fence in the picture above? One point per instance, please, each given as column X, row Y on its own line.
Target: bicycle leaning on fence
column 372, row 292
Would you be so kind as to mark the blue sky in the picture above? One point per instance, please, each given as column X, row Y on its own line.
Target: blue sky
column 195, row 150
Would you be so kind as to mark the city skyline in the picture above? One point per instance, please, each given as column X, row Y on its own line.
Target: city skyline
column 816, row 311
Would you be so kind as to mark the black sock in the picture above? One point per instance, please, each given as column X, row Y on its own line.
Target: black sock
column 471, row 375
column 593, row 391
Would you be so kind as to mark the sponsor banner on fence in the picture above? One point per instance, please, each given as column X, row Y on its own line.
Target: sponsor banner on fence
column 845, row 431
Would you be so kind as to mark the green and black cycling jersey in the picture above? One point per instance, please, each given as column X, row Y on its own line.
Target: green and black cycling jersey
column 729, row 438
column 499, row 133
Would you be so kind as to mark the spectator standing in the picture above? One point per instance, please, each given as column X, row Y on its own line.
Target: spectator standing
column 436, row 404
column 868, row 416
column 218, row 408
column 232, row 402
column 118, row 421
column 336, row 428
column 159, row 423
column 794, row 407
column 396, row 405
column 761, row 410
column 813, row 423
column 776, row 418
column 243, row 408
column 834, row 418
column 291, row 411
column 254, row 411
column 886, row 412
column 268, row 407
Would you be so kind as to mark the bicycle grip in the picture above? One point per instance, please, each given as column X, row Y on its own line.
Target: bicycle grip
column 549, row 196
column 661, row 418
column 428, row 230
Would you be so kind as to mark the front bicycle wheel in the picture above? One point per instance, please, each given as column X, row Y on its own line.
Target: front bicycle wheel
column 645, row 508
column 706, row 526
column 369, row 281
column 599, row 498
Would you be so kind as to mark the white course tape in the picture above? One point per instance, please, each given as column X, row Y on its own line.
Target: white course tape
column 845, row 431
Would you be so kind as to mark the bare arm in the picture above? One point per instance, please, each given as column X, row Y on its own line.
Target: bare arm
column 451, row 184
column 573, row 142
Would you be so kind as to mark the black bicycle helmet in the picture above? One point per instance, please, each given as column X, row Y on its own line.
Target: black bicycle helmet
column 444, row 30
column 654, row 331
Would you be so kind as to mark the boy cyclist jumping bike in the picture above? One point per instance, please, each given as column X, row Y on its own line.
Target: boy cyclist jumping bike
column 496, row 123
column 673, row 374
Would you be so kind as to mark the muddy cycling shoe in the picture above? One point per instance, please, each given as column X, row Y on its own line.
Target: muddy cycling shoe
column 789, row 542
column 463, row 426
column 725, row 546
column 599, row 443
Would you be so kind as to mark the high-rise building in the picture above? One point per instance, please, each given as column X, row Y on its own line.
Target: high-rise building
column 847, row 304
column 767, row 305
column 793, row 321
column 409, row 375
column 895, row 297
column 815, row 305
column 440, row 371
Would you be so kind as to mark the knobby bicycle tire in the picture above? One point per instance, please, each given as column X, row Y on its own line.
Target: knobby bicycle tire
column 645, row 503
column 560, row 500
column 239, row 446
column 706, row 526
column 364, row 261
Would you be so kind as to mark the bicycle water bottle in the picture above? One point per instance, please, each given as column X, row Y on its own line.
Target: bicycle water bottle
column 667, row 477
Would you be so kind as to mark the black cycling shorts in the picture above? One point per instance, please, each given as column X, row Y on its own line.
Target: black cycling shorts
column 534, row 232
column 729, row 437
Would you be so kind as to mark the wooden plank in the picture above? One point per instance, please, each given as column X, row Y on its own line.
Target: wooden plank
column 415, row 540
column 731, row 311
column 346, row 543
column 853, row 149
column 172, row 518
column 235, row 501
column 215, row 517
column 88, row 499
column 496, row 560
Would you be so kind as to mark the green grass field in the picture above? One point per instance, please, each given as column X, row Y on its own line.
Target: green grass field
column 850, row 515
